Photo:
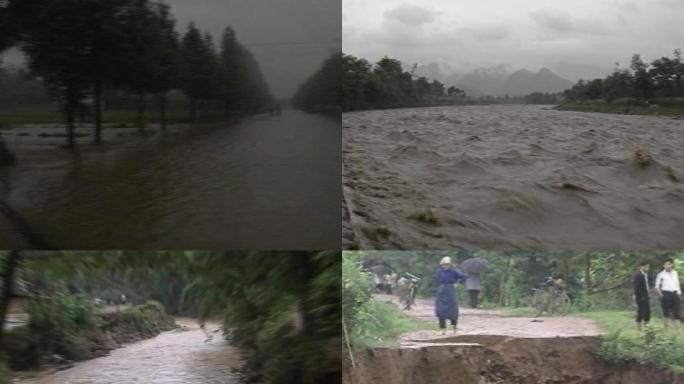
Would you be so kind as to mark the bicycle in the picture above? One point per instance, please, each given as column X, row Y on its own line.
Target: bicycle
column 409, row 285
column 550, row 299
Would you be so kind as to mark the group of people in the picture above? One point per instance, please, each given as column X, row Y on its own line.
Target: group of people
column 666, row 286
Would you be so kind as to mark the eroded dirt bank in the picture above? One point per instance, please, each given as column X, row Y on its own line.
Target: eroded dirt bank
column 512, row 176
column 498, row 360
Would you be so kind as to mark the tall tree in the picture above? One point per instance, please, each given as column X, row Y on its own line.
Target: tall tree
column 199, row 68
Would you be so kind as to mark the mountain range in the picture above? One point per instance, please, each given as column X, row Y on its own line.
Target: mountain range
column 496, row 81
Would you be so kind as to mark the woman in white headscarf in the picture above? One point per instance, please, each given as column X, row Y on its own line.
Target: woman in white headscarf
column 446, row 306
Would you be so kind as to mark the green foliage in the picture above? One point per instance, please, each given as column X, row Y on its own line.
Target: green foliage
column 369, row 323
column 281, row 308
column 58, row 324
column 5, row 373
column 322, row 92
column 387, row 85
column 621, row 343
column 639, row 85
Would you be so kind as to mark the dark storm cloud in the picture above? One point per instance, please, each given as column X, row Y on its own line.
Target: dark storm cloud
column 289, row 38
column 410, row 14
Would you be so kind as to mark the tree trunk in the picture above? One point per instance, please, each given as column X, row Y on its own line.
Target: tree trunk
column 97, row 101
column 504, row 279
column 141, row 113
column 70, row 110
column 8, row 273
column 193, row 110
column 162, row 109
column 587, row 272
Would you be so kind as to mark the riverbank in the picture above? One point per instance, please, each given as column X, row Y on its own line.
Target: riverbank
column 492, row 347
column 674, row 109
column 55, row 342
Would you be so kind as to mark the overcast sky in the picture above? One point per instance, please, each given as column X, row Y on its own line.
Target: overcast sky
column 520, row 33
column 268, row 28
column 314, row 25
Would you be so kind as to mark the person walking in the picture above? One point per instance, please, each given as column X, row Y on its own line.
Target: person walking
column 446, row 306
column 668, row 288
column 473, row 284
column 642, row 294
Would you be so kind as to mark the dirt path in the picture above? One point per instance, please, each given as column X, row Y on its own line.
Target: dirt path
column 495, row 323
column 185, row 355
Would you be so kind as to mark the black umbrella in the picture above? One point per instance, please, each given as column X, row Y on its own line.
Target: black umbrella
column 475, row 265
column 380, row 270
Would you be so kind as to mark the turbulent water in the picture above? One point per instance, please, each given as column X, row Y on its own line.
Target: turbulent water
column 187, row 357
column 513, row 176
column 266, row 183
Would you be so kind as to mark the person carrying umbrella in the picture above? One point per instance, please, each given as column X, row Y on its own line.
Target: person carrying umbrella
column 446, row 306
column 474, row 267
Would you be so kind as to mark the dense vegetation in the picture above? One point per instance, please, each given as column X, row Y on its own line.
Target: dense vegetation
column 131, row 48
column 659, row 83
column 281, row 308
column 386, row 84
column 322, row 91
column 599, row 284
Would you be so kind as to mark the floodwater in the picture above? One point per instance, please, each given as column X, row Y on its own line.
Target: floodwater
column 180, row 356
column 513, row 176
column 269, row 182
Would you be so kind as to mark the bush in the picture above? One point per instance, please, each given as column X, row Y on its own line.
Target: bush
column 5, row 373
column 21, row 349
column 655, row 346
column 57, row 325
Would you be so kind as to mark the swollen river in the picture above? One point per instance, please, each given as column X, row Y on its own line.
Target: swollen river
column 513, row 176
column 270, row 182
column 180, row 356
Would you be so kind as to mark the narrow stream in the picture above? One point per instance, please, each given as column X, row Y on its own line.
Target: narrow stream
column 179, row 356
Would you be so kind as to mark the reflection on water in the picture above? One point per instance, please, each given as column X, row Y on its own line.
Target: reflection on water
column 172, row 357
column 267, row 183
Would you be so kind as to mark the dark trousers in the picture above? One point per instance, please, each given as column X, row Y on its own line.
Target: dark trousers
column 442, row 322
column 670, row 304
column 473, row 293
column 643, row 309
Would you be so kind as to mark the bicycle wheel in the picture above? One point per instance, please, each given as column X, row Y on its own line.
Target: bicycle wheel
column 539, row 302
column 562, row 304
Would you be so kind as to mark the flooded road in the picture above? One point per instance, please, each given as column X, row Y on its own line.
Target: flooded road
column 179, row 356
column 266, row 183
column 513, row 176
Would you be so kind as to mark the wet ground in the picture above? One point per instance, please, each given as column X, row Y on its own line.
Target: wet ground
column 480, row 322
column 180, row 356
column 269, row 182
column 512, row 177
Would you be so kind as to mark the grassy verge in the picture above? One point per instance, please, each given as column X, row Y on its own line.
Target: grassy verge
column 382, row 325
column 625, row 109
column 622, row 342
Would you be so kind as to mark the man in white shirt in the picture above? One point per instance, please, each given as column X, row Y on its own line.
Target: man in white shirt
column 669, row 289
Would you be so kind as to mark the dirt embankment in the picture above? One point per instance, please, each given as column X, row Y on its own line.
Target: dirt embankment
column 498, row 360
column 492, row 347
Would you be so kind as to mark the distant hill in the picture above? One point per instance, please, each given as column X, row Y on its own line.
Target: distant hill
column 496, row 81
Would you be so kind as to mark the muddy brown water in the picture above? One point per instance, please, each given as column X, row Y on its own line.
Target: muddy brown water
column 265, row 183
column 179, row 356
column 513, row 176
